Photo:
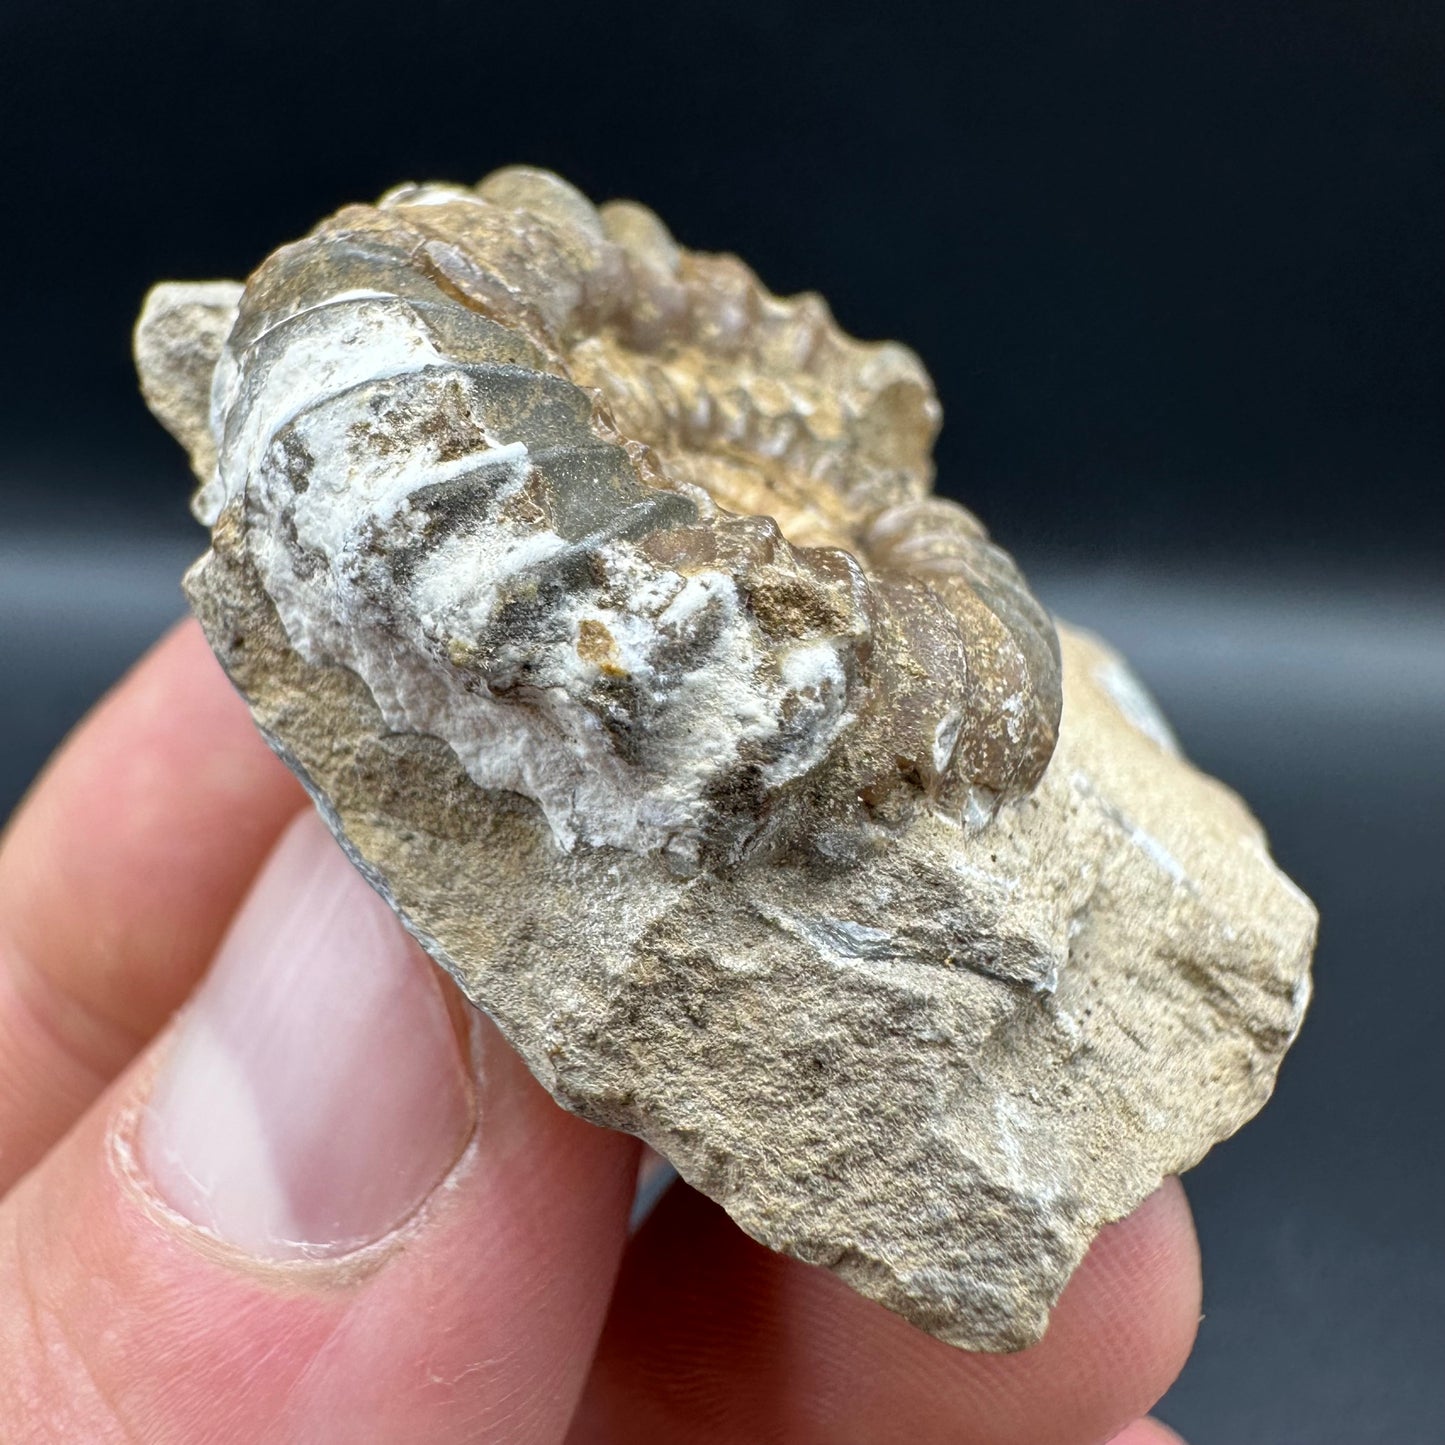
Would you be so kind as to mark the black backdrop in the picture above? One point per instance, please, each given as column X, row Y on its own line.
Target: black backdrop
column 1176, row 268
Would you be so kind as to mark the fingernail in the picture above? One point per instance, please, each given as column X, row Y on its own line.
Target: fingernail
column 315, row 1091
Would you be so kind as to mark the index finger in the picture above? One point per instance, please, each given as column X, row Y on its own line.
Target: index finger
column 118, row 876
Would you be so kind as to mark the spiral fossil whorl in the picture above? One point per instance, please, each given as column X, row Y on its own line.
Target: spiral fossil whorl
column 635, row 537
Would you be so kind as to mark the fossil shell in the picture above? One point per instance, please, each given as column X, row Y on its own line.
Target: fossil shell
column 600, row 599
column 638, row 540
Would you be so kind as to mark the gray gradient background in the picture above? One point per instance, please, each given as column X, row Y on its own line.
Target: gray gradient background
column 1177, row 271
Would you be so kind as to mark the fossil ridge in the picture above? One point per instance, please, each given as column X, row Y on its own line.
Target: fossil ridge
column 600, row 600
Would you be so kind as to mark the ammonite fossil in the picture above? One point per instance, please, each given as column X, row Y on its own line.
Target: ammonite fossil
column 601, row 600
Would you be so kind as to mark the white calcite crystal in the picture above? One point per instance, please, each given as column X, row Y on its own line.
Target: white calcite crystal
column 601, row 601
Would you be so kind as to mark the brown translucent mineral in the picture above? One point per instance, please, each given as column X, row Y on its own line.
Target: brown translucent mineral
column 600, row 600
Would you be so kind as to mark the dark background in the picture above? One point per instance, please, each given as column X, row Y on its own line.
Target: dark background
column 1176, row 268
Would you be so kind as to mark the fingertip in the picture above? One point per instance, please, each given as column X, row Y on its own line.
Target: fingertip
column 1136, row 1296
column 1148, row 1431
column 1125, row 1324
column 713, row 1338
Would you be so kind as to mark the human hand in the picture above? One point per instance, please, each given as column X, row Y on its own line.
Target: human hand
column 328, row 1203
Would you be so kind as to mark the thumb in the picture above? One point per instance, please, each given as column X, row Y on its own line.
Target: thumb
column 328, row 1204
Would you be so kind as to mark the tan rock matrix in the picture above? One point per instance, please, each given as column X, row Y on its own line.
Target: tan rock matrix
column 600, row 600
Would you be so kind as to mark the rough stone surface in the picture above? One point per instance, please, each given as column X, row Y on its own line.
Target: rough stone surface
column 599, row 599
column 181, row 331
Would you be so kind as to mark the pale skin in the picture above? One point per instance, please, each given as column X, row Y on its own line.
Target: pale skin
column 513, row 1306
